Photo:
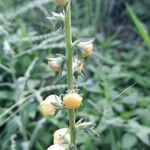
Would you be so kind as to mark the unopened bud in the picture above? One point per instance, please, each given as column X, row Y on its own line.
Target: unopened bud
column 72, row 100
column 61, row 2
column 62, row 136
column 55, row 63
column 77, row 66
column 48, row 106
column 56, row 147
column 86, row 49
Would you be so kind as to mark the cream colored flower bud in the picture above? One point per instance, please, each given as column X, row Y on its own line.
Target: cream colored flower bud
column 56, row 147
column 47, row 106
column 54, row 65
column 61, row 2
column 72, row 100
column 86, row 49
column 62, row 136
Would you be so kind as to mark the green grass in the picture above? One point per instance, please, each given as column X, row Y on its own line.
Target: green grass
column 121, row 58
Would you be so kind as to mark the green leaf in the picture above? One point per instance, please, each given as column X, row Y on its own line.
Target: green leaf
column 140, row 131
column 5, row 94
column 128, row 141
column 141, row 29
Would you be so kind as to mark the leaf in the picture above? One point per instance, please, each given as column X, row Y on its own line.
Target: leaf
column 141, row 29
column 5, row 94
column 140, row 131
column 56, row 17
column 128, row 141
column 144, row 137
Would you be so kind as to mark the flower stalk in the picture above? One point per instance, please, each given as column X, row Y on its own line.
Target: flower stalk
column 72, row 100
column 70, row 80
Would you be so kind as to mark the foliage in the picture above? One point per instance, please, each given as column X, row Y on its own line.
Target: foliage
column 116, row 87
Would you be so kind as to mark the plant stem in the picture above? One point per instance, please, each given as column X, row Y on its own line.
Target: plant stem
column 70, row 82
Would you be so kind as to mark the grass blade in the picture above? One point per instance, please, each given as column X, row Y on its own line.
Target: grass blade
column 141, row 29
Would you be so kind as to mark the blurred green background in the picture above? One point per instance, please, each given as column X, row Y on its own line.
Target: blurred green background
column 116, row 86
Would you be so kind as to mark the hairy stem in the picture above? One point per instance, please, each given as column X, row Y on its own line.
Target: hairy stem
column 70, row 82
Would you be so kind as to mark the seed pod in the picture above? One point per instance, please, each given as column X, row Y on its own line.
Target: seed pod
column 61, row 2
column 86, row 49
column 56, row 147
column 72, row 100
column 62, row 136
column 47, row 106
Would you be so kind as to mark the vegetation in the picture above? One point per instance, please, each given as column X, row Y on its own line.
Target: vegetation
column 115, row 82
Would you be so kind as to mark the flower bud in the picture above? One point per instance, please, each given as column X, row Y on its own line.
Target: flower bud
column 61, row 2
column 48, row 106
column 56, row 147
column 86, row 49
column 72, row 100
column 62, row 136
column 55, row 64
column 77, row 66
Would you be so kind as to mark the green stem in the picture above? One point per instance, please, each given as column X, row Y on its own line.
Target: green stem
column 70, row 82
